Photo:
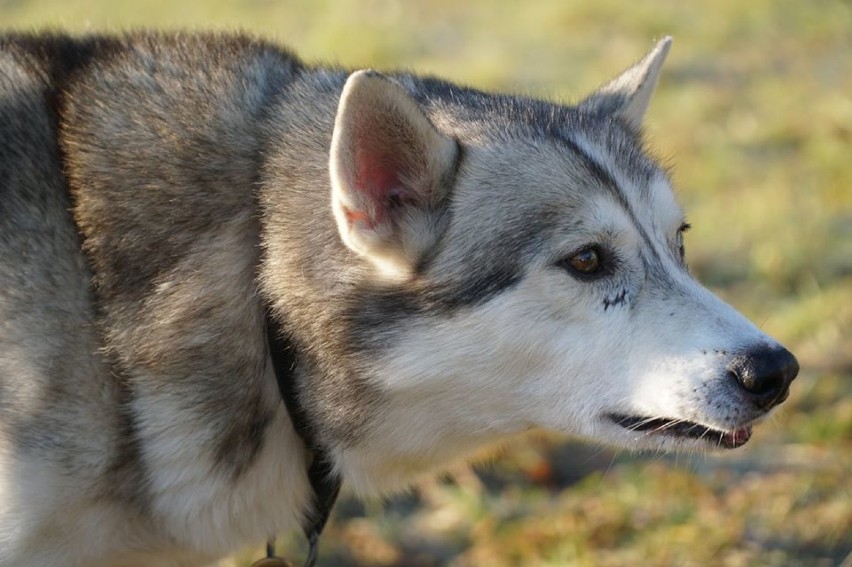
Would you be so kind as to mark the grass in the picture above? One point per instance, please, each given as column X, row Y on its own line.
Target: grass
column 755, row 112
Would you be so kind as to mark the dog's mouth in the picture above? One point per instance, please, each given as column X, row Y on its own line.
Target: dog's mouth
column 684, row 429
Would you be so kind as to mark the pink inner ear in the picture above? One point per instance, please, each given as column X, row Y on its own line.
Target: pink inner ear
column 377, row 181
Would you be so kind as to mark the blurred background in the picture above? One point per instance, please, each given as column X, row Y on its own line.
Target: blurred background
column 754, row 114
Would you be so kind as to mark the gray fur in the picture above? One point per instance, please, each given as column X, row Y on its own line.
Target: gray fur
column 160, row 192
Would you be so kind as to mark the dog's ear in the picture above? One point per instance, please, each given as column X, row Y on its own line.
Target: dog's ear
column 389, row 169
column 627, row 96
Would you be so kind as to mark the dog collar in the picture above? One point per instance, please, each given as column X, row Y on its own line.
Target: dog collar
column 325, row 482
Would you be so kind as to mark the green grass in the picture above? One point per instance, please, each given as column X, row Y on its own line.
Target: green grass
column 754, row 112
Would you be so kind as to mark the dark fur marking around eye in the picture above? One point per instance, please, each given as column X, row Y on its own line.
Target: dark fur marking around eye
column 616, row 300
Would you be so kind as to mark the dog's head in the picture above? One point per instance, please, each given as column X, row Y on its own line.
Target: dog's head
column 528, row 271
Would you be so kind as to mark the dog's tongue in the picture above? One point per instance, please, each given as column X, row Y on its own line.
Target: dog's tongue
column 737, row 438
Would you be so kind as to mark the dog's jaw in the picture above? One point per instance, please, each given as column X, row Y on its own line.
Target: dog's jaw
column 689, row 435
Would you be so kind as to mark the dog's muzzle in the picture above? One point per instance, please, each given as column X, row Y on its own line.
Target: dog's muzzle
column 761, row 376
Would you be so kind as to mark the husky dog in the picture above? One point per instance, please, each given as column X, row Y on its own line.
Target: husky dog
column 442, row 269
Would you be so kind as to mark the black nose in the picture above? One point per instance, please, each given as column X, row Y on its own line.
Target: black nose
column 765, row 374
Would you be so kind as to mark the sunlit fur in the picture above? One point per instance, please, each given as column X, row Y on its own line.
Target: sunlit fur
column 167, row 198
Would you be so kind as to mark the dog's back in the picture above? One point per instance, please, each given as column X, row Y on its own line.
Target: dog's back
column 71, row 419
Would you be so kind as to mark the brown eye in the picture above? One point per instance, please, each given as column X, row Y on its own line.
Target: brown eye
column 586, row 261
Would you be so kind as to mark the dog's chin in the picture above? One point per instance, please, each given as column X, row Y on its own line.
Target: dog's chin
column 680, row 434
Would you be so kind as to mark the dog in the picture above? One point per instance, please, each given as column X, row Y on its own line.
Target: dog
column 219, row 264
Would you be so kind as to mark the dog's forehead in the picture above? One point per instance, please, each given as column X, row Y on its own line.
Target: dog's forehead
column 538, row 141
column 637, row 182
column 535, row 174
